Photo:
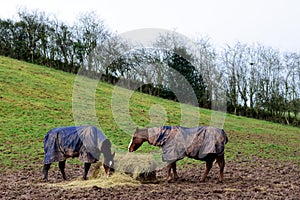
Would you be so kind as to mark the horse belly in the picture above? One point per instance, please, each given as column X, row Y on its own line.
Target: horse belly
column 71, row 153
column 205, row 157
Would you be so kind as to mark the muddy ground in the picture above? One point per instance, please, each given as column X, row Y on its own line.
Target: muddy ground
column 254, row 178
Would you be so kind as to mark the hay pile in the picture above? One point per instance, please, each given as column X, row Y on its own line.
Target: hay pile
column 140, row 167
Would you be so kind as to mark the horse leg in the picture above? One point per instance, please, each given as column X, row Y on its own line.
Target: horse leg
column 174, row 171
column 45, row 171
column 61, row 165
column 169, row 166
column 209, row 164
column 86, row 170
column 221, row 163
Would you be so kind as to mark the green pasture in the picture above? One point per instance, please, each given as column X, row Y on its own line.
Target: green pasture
column 35, row 99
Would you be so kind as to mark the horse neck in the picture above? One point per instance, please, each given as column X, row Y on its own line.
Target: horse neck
column 144, row 134
column 105, row 149
column 153, row 135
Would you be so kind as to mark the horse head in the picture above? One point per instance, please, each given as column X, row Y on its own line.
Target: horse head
column 109, row 164
column 138, row 138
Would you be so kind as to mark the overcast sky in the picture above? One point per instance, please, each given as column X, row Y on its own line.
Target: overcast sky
column 274, row 23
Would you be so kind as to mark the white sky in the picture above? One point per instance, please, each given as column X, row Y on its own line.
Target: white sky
column 274, row 23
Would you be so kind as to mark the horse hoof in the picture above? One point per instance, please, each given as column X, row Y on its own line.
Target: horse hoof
column 168, row 179
column 172, row 180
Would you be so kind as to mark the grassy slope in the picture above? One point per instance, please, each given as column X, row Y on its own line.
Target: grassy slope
column 34, row 99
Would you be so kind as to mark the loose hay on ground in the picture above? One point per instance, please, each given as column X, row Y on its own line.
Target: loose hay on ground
column 130, row 169
column 116, row 179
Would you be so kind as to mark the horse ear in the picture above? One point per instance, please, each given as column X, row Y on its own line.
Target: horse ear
column 137, row 128
column 113, row 155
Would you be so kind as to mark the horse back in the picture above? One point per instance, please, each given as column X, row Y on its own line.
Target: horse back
column 84, row 142
column 206, row 143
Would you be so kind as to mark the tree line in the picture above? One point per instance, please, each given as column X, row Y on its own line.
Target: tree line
column 253, row 80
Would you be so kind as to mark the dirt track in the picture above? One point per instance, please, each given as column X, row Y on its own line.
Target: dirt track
column 252, row 179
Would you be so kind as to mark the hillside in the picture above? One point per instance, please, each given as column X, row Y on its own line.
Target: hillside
column 34, row 99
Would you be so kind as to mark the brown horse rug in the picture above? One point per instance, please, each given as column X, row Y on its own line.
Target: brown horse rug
column 84, row 142
column 178, row 142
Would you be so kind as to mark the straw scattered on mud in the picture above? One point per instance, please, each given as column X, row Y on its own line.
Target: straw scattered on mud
column 130, row 169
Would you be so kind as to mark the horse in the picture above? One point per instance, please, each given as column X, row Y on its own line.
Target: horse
column 85, row 142
column 204, row 143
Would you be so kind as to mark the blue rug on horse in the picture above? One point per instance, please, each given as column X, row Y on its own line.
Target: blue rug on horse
column 179, row 142
column 73, row 141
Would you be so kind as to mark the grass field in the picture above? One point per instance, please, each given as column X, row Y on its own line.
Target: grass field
column 34, row 99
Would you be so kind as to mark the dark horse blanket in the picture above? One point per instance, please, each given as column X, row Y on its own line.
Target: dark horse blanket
column 179, row 142
column 84, row 142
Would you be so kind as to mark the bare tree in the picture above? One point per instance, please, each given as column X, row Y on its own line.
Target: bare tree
column 205, row 59
column 292, row 84
column 90, row 32
column 230, row 60
column 269, row 93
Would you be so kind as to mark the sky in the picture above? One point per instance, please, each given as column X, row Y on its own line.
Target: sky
column 273, row 23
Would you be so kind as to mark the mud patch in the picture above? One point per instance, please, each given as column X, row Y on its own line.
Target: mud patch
column 254, row 178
